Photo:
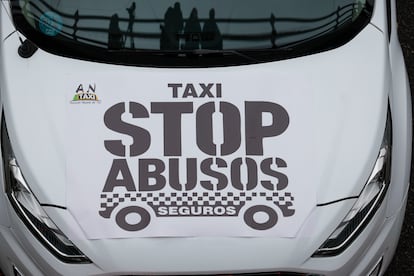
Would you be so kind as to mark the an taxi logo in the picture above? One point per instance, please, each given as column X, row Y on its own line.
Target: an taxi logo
column 88, row 96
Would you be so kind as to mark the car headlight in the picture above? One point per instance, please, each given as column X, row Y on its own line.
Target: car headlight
column 30, row 211
column 367, row 203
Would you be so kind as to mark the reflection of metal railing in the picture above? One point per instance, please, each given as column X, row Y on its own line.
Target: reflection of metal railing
column 325, row 24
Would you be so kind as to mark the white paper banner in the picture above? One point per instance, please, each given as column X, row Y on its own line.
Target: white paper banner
column 151, row 155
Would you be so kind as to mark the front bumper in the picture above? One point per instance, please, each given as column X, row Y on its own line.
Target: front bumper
column 189, row 256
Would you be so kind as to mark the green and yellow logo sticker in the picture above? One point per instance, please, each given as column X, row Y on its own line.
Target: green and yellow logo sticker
column 88, row 96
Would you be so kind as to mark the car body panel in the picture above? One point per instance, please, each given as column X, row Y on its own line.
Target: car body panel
column 6, row 25
column 400, row 101
column 379, row 16
column 333, row 133
column 350, row 86
column 187, row 256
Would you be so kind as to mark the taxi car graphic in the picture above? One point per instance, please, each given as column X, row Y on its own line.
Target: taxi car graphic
column 197, row 204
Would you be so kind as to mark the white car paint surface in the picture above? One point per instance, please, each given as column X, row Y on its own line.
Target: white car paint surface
column 195, row 150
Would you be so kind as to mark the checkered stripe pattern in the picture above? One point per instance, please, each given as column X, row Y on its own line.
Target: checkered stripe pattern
column 193, row 198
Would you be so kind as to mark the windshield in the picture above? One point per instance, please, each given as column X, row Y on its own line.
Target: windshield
column 184, row 27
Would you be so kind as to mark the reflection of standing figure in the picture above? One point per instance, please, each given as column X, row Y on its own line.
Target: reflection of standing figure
column 26, row 2
column 192, row 32
column 75, row 25
column 274, row 32
column 211, row 38
column 172, row 28
column 131, row 12
column 115, row 39
column 27, row 13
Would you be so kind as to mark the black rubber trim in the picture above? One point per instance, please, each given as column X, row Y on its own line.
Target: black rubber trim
column 54, row 206
column 389, row 19
column 336, row 201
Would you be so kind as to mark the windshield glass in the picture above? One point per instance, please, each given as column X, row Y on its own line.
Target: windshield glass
column 182, row 26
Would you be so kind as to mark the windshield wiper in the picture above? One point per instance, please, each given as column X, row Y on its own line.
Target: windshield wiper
column 206, row 52
column 197, row 58
column 186, row 53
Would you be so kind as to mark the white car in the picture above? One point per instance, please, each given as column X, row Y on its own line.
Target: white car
column 202, row 137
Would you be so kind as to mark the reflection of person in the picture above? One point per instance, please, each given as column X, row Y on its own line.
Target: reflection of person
column 172, row 28
column 27, row 13
column 211, row 38
column 75, row 25
column 274, row 32
column 192, row 32
column 115, row 38
column 131, row 13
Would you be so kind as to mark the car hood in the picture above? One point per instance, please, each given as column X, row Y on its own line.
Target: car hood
column 321, row 118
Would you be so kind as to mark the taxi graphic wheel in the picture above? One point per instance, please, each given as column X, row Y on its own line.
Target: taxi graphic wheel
column 250, row 219
column 121, row 218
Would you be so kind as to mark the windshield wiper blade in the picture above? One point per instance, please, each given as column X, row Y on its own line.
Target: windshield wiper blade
column 186, row 53
column 205, row 52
